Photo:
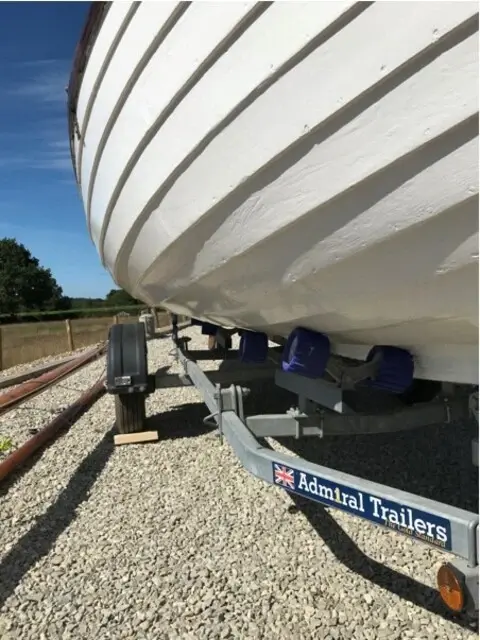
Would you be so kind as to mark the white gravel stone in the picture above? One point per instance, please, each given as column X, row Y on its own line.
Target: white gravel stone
column 175, row 540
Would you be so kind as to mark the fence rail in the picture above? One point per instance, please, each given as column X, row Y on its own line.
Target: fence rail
column 23, row 343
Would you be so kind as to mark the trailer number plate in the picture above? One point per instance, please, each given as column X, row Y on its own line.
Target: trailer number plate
column 408, row 520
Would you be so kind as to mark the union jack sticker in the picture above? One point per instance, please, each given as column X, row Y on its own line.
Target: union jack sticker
column 284, row 476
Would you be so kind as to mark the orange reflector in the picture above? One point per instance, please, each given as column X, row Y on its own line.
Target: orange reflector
column 450, row 588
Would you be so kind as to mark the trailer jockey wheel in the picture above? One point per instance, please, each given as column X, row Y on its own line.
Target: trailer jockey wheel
column 130, row 412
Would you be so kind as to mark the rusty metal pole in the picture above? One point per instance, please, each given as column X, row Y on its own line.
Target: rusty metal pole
column 27, row 390
column 63, row 420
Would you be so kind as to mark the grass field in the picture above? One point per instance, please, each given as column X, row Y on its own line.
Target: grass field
column 22, row 343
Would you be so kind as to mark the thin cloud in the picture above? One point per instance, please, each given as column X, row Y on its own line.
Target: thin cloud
column 15, row 161
column 48, row 88
column 15, row 230
column 45, row 81
column 40, row 62
column 56, row 156
column 46, row 160
column 44, row 143
column 51, row 155
column 51, row 161
column 61, row 144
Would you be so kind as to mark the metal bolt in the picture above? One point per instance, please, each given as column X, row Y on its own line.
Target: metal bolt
column 447, row 408
column 322, row 421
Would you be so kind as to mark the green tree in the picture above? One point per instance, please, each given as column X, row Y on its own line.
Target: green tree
column 120, row 298
column 87, row 303
column 24, row 284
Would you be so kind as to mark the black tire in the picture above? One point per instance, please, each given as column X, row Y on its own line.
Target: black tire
column 130, row 412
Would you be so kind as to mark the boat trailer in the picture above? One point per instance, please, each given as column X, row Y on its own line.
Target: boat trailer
column 321, row 411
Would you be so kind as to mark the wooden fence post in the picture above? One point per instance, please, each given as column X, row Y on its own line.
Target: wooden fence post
column 115, row 319
column 68, row 325
column 1, row 350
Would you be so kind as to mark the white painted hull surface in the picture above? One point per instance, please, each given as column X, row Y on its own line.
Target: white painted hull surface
column 269, row 166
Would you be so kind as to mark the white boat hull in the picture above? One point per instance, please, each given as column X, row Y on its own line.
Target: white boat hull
column 294, row 164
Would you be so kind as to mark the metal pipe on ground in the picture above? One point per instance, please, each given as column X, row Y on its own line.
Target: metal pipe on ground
column 31, row 388
column 51, row 431
column 18, row 378
column 10, row 381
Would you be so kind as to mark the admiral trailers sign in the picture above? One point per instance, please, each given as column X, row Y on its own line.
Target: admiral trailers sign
column 407, row 520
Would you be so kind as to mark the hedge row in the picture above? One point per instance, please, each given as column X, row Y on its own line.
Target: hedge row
column 70, row 314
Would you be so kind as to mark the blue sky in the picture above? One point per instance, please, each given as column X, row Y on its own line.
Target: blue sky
column 39, row 202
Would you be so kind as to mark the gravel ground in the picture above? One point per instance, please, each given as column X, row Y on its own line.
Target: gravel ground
column 175, row 540
column 19, row 424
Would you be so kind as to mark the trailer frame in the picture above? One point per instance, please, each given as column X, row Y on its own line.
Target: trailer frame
column 321, row 411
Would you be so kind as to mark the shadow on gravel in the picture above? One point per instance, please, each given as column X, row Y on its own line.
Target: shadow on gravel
column 414, row 461
column 183, row 421
column 16, row 475
column 41, row 538
column 347, row 552
column 164, row 336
